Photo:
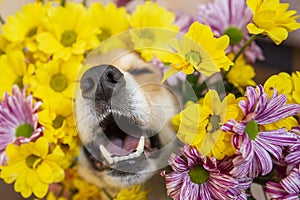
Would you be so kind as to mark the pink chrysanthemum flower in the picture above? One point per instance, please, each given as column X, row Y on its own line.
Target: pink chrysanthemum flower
column 256, row 147
column 230, row 17
column 288, row 188
column 18, row 120
column 198, row 177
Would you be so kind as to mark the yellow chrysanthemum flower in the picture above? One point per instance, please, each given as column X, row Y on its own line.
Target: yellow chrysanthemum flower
column 199, row 124
column 156, row 26
column 199, row 50
column 152, row 15
column 110, row 19
column 283, row 84
column 32, row 167
column 133, row 193
column 289, row 86
column 24, row 25
column 73, row 35
column 58, row 120
column 241, row 74
column 271, row 18
column 14, row 70
column 55, row 79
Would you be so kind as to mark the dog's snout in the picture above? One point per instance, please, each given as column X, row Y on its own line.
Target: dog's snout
column 99, row 82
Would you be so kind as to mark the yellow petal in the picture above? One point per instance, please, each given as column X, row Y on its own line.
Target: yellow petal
column 253, row 29
column 45, row 173
column 42, row 146
column 12, row 151
column 253, row 4
column 212, row 100
column 278, row 34
column 40, row 189
column 170, row 72
column 31, row 177
column 56, row 155
column 58, row 172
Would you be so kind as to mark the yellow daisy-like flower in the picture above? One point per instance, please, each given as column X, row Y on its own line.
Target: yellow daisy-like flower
column 32, row 167
column 271, row 18
column 24, row 25
column 14, row 70
column 283, row 84
column 133, row 193
column 241, row 74
column 151, row 14
column 199, row 50
column 55, row 79
column 58, row 120
column 199, row 124
column 110, row 19
column 153, row 27
column 73, row 35
column 289, row 86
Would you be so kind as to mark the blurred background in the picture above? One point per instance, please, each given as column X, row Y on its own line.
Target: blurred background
column 282, row 58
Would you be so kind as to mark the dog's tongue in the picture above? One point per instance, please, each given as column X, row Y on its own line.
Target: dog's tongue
column 119, row 147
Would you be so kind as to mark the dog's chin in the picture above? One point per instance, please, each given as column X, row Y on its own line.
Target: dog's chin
column 118, row 176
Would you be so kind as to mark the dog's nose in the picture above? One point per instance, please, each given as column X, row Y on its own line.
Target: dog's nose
column 99, row 82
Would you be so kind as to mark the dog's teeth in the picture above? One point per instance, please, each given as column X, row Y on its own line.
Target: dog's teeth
column 124, row 158
column 140, row 147
column 135, row 154
column 106, row 154
column 116, row 159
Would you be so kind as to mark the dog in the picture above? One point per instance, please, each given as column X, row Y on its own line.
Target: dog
column 123, row 117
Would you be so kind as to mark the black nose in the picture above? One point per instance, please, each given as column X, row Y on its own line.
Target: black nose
column 101, row 81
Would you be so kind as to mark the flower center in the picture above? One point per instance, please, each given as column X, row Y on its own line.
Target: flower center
column 31, row 32
column 252, row 129
column 194, row 57
column 59, row 82
column 24, row 130
column 19, row 82
column 68, row 38
column 32, row 161
column 198, row 174
column 214, row 123
column 235, row 35
column 147, row 34
column 58, row 121
column 104, row 35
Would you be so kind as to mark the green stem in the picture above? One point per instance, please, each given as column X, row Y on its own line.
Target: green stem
column 2, row 20
column 247, row 43
column 251, row 39
column 107, row 194
column 84, row 2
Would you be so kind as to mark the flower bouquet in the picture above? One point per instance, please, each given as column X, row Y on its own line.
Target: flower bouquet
column 233, row 131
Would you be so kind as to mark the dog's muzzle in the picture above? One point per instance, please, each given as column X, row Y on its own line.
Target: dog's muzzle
column 122, row 143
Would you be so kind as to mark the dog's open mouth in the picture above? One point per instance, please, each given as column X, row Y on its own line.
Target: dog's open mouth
column 126, row 140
